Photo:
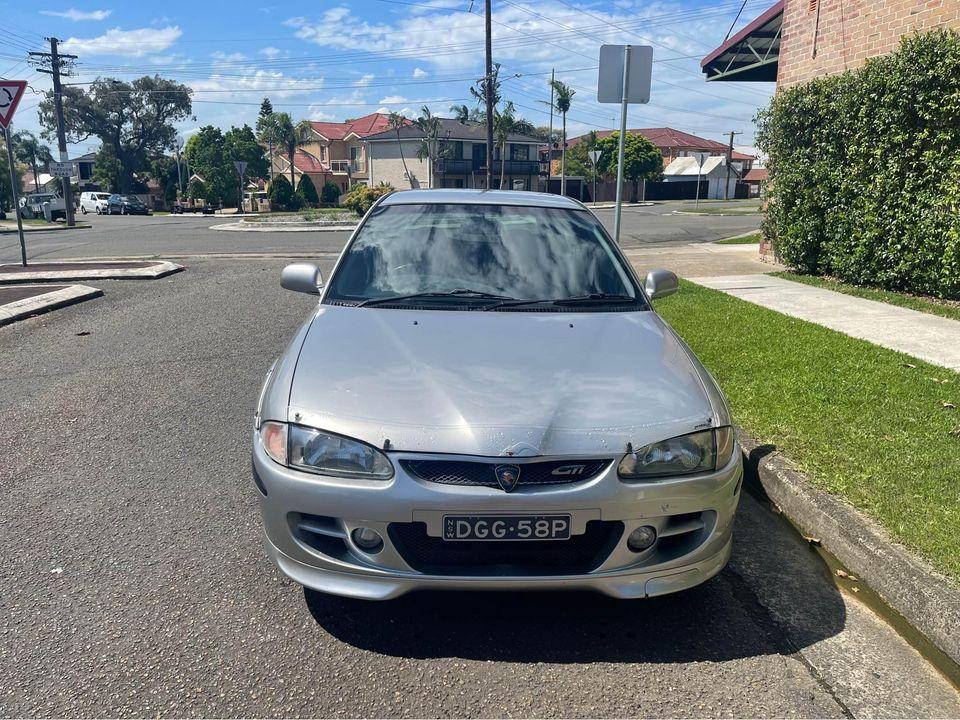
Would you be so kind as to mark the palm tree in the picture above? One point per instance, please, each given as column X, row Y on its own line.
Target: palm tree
column 396, row 121
column 32, row 152
column 279, row 131
column 461, row 113
column 563, row 95
column 429, row 124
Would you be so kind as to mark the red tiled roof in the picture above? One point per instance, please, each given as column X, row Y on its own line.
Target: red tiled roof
column 305, row 162
column 670, row 139
column 362, row 126
column 756, row 175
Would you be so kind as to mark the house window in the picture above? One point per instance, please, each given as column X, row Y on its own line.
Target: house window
column 451, row 149
column 519, row 152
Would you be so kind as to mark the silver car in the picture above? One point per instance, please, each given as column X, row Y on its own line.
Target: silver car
column 485, row 399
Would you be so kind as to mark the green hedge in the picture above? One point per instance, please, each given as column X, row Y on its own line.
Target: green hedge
column 865, row 170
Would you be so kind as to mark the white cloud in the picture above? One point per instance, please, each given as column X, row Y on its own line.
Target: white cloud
column 77, row 15
column 132, row 43
column 365, row 80
column 418, row 73
column 392, row 100
column 221, row 56
column 252, row 82
column 271, row 52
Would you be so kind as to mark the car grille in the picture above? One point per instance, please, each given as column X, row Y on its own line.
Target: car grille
column 436, row 556
column 482, row 474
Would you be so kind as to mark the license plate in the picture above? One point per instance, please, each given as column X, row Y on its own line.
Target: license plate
column 506, row 527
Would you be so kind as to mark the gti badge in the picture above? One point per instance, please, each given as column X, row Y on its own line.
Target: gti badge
column 507, row 476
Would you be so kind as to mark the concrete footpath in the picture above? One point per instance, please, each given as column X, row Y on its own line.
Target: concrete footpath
column 928, row 337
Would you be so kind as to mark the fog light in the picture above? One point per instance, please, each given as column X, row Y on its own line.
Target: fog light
column 642, row 538
column 367, row 540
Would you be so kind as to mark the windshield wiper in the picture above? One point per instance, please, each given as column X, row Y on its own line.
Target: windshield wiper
column 586, row 299
column 459, row 293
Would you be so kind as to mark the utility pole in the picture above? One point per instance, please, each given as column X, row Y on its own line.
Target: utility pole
column 489, row 94
column 726, row 188
column 56, row 64
column 550, row 138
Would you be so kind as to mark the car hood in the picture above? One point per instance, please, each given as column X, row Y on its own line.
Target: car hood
column 496, row 383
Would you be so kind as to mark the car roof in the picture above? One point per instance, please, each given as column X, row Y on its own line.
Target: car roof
column 457, row 196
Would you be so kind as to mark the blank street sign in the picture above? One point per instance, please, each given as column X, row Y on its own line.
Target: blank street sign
column 610, row 80
column 241, row 166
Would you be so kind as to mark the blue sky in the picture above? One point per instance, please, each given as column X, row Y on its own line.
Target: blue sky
column 330, row 60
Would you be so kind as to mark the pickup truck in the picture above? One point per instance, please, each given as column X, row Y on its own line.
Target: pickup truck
column 31, row 205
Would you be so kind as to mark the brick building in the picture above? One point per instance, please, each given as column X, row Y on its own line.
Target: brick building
column 796, row 40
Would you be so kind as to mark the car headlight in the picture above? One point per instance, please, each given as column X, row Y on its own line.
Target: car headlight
column 684, row 455
column 305, row 448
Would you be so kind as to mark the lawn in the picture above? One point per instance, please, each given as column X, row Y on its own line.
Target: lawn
column 306, row 215
column 751, row 239
column 871, row 425
column 944, row 308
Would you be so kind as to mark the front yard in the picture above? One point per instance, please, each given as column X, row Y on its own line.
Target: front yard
column 874, row 426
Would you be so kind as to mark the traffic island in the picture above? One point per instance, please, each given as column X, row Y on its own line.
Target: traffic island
column 83, row 270
column 18, row 302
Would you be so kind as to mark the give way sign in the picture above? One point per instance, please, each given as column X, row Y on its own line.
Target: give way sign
column 10, row 93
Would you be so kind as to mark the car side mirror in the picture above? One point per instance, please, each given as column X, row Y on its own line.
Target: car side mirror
column 660, row 283
column 302, row 277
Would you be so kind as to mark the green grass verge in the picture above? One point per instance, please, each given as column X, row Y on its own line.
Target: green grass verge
column 914, row 302
column 866, row 423
column 751, row 239
column 304, row 215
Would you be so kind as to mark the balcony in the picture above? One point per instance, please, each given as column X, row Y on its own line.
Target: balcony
column 445, row 166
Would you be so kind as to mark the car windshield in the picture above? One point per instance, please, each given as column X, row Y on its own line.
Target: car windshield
column 131, row 198
column 457, row 254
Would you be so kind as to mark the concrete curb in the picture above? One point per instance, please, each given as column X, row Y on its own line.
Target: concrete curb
column 34, row 228
column 157, row 270
column 923, row 596
column 713, row 214
column 278, row 227
column 22, row 309
column 737, row 237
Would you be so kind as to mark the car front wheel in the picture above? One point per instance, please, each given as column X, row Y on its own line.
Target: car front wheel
column 83, row 209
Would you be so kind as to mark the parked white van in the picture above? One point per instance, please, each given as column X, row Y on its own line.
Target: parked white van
column 94, row 202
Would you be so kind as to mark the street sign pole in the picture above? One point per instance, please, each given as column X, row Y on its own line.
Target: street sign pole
column 13, row 192
column 701, row 158
column 624, row 78
column 595, row 158
column 241, row 166
column 623, row 141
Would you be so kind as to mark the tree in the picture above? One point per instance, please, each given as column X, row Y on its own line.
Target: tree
column 164, row 170
column 239, row 143
column 281, row 194
column 578, row 158
column 479, row 91
column 107, row 169
column 134, row 120
column 6, row 192
column 641, row 159
column 266, row 110
column 396, row 121
column 196, row 188
column 307, row 191
column 30, row 151
column 563, row 96
column 429, row 125
column 330, row 193
column 505, row 124
column 279, row 130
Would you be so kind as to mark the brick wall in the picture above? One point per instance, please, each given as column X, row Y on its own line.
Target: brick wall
column 850, row 31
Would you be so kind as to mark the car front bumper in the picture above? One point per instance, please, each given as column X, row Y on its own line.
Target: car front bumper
column 693, row 517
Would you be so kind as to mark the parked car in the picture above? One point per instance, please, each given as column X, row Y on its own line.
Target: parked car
column 94, row 202
column 485, row 398
column 126, row 205
column 32, row 204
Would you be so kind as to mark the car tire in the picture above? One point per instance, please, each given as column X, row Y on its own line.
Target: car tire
column 83, row 209
column 123, row 210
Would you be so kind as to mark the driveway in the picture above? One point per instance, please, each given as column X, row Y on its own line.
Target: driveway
column 134, row 583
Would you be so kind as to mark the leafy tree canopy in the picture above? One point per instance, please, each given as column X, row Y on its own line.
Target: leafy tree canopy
column 307, row 191
column 135, row 120
column 641, row 159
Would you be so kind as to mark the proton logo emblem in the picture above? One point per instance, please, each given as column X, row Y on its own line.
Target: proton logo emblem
column 507, row 476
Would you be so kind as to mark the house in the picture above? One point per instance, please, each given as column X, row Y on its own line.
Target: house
column 797, row 40
column 334, row 152
column 82, row 176
column 756, row 181
column 83, row 170
column 459, row 160
column 674, row 143
column 685, row 171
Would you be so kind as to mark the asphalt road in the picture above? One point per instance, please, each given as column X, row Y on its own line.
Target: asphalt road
column 179, row 235
column 134, row 584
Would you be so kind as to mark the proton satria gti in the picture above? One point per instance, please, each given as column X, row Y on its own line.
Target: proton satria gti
column 484, row 398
